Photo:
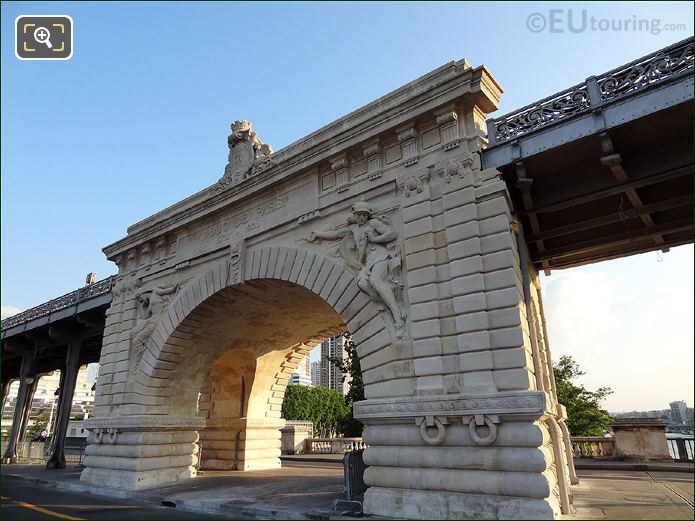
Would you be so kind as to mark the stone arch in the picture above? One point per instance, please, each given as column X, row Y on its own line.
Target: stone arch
column 174, row 335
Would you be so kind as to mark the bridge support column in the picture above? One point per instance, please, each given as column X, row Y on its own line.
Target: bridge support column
column 68, row 379
column 27, row 387
column 446, row 458
column 241, row 444
column 138, row 452
column 5, row 391
column 477, row 439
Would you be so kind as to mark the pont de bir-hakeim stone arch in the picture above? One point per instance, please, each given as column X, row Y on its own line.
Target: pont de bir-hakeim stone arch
column 382, row 224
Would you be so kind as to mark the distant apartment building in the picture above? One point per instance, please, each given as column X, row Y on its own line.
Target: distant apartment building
column 329, row 374
column 45, row 399
column 315, row 374
column 679, row 412
column 302, row 375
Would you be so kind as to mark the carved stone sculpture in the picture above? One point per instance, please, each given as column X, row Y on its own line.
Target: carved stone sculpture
column 364, row 247
column 152, row 304
column 248, row 156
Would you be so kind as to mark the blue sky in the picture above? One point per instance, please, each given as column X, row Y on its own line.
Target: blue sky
column 138, row 118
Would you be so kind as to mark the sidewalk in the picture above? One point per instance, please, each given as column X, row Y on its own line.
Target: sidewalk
column 607, row 464
column 304, row 488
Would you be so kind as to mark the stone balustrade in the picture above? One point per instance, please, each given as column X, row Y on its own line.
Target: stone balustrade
column 333, row 445
column 636, row 439
column 593, row 447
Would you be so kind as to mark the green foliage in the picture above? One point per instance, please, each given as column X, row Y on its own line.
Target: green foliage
column 322, row 406
column 584, row 414
column 351, row 368
column 40, row 425
column 77, row 417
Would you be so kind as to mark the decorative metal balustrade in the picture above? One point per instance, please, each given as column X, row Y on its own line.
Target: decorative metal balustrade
column 333, row 445
column 667, row 64
column 557, row 107
column 81, row 295
column 593, row 447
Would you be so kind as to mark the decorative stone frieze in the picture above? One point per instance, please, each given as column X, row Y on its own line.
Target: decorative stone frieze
column 518, row 405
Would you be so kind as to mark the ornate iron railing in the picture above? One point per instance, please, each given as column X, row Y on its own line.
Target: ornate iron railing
column 70, row 299
column 562, row 105
column 651, row 69
column 666, row 64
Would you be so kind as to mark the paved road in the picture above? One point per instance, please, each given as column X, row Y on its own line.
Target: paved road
column 26, row 501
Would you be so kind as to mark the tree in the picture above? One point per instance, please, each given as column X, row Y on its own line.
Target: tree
column 350, row 367
column 585, row 417
column 40, row 425
column 322, row 406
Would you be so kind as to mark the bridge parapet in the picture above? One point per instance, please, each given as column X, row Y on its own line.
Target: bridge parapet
column 73, row 298
column 665, row 65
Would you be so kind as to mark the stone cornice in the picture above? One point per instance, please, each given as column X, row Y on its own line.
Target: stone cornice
column 425, row 94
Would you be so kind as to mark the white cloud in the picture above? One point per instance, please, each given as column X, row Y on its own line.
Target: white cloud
column 8, row 311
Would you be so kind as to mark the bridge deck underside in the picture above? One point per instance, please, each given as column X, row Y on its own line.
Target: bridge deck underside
column 608, row 196
column 51, row 352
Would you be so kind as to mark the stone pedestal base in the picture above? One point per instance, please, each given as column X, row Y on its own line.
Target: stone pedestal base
column 483, row 457
column 641, row 439
column 135, row 480
column 241, row 444
column 141, row 452
column 398, row 503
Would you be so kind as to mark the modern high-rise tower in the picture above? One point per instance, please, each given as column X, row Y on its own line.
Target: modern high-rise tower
column 330, row 375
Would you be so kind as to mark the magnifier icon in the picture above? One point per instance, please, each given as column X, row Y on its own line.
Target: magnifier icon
column 42, row 35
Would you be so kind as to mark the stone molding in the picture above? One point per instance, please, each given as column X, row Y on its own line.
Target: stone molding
column 523, row 404
column 146, row 423
column 245, row 423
